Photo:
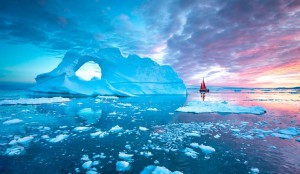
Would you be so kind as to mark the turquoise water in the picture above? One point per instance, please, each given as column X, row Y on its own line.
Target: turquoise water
column 239, row 146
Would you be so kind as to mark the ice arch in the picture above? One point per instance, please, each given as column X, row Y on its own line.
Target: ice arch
column 88, row 71
column 121, row 76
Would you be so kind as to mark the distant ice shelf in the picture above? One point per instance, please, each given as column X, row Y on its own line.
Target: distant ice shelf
column 34, row 101
column 120, row 76
column 220, row 107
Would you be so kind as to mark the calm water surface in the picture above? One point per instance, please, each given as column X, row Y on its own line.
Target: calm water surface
column 239, row 147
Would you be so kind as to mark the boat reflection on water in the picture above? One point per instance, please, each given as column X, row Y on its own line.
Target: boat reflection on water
column 202, row 96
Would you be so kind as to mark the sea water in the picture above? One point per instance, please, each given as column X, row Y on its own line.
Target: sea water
column 126, row 134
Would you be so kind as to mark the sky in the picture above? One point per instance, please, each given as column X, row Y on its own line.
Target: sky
column 245, row 43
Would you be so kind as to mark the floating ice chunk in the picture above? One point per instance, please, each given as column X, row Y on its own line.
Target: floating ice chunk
column 58, row 138
column 254, row 170
column 195, row 145
column 91, row 172
column 45, row 137
column 204, row 107
column 190, row 152
column 126, row 157
column 290, row 131
column 34, row 101
column 235, row 130
column 95, row 134
column 192, row 134
column 282, row 136
column 250, row 137
column 217, row 136
column 152, row 109
column 25, row 140
column 298, row 139
column 122, row 166
column 116, row 129
column 125, row 104
column 128, row 146
column 206, row 149
column 146, row 154
column 82, row 129
column 85, row 158
column 13, row 121
column 108, row 97
column 87, row 165
column 14, row 151
column 158, row 170
column 143, row 128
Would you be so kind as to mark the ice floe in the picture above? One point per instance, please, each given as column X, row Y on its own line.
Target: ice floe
column 158, row 170
column 116, row 129
column 220, row 107
column 58, row 138
column 152, row 109
column 126, row 157
column 12, row 121
column 82, row 129
column 87, row 164
column 34, row 101
column 122, row 166
column 143, row 128
column 14, row 151
column 190, row 152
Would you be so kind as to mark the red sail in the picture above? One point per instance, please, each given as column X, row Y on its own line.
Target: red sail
column 204, row 86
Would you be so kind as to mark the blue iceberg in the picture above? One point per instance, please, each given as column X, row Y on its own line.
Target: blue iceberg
column 119, row 76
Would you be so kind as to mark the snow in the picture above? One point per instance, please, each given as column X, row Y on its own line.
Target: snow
column 143, row 128
column 221, row 107
column 122, row 166
column 120, row 76
column 82, row 129
column 158, row 170
column 124, row 156
column 58, row 138
column 14, row 151
column 116, row 129
column 13, row 121
column 34, row 101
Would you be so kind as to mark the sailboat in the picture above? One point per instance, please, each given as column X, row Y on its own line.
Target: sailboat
column 203, row 87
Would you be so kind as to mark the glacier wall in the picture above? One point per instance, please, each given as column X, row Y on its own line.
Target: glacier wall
column 121, row 76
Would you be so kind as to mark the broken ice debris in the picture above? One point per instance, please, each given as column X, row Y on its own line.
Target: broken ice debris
column 122, row 166
column 13, row 121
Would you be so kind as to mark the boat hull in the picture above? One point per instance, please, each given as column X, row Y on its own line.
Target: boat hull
column 204, row 90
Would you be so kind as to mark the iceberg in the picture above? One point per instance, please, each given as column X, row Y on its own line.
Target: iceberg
column 221, row 107
column 158, row 170
column 120, row 76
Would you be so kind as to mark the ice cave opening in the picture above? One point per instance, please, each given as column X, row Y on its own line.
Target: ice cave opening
column 88, row 71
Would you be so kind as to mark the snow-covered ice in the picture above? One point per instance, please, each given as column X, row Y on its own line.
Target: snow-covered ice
column 12, row 121
column 116, row 129
column 143, row 128
column 158, row 170
column 124, row 156
column 122, row 166
column 87, row 164
column 15, row 150
column 58, row 138
column 120, row 76
column 221, row 107
column 34, row 101
column 82, row 129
